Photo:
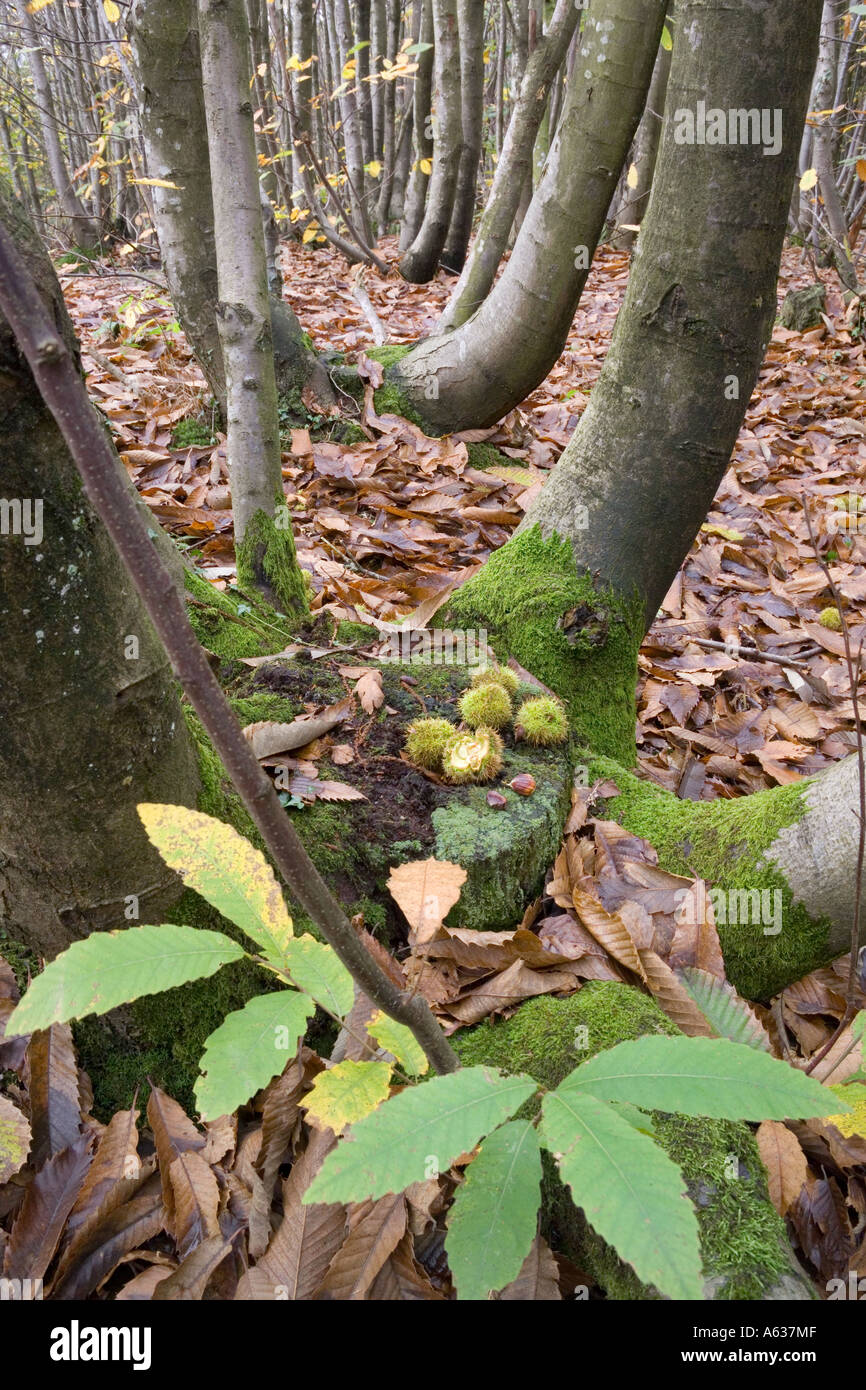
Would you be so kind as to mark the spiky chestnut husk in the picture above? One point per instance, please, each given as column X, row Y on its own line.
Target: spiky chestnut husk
column 426, row 740
column 487, row 706
column 500, row 675
column 829, row 617
column 541, row 721
column 473, row 757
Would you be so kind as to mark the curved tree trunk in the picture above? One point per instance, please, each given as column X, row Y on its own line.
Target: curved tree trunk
column 475, row 375
column 266, row 555
column 471, row 26
column 513, row 169
column 92, row 723
column 822, row 146
column 419, row 261
column 572, row 593
column 164, row 36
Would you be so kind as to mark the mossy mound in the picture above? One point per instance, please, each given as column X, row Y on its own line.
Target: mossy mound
column 745, row 1249
column 724, row 842
column 232, row 627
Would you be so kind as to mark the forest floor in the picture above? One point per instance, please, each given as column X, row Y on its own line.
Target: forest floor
column 386, row 525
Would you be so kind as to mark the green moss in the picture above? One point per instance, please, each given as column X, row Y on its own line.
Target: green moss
column 190, row 432
column 389, row 354
column 268, row 564
column 483, row 456
column 743, row 1241
column 506, row 853
column 355, row 634
column 232, row 628
column 581, row 642
column 724, row 842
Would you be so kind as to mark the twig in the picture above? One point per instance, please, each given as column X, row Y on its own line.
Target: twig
column 380, row 332
column 736, row 649
column 65, row 395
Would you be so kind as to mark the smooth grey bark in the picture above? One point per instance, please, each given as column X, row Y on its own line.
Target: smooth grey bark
column 419, row 261
column 822, row 146
column 475, row 375
column 353, row 123
column 655, row 440
column 84, row 228
column 512, row 170
column 165, row 41
column 471, row 25
column 632, row 210
column 92, row 722
column 243, row 314
column 416, row 198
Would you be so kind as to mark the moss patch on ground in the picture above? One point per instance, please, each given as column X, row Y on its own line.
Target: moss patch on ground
column 232, row 627
column 743, row 1241
column 581, row 642
column 724, row 842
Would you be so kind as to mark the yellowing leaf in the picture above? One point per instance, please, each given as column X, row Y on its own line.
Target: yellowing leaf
column 399, row 1040
column 310, row 232
column 347, row 1093
column 632, row 176
column 229, row 872
column 855, row 1122
column 809, row 179
column 374, row 168
column 426, row 166
column 112, row 11
column 157, row 183
column 860, row 166
column 36, row 5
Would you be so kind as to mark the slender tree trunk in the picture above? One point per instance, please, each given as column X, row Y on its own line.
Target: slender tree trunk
column 265, row 553
column 822, row 146
column 419, row 261
column 92, row 722
column 632, row 210
column 85, row 230
column 471, row 16
column 413, row 214
column 475, row 375
column 165, row 40
column 352, row 132
column 514, row 165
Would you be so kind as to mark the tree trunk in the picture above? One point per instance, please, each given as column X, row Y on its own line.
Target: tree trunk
column 164, row 34
column 571, row 594
column 416, row 198
column 471, row 16
column 515, row 164
column 646, row 147
column 419, row 261
column 353, row 124
column 475, row 375
column 822, row 147
column 92, row 723
column 265, row 552
column 85, row 230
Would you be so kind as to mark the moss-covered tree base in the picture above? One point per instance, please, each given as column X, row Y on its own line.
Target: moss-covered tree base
column 580, row 641
column 268, row 565
column 745, row 1250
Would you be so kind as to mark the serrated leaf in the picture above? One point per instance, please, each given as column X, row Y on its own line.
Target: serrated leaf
column 317, row 969
column 111, row 968
column 633, row 1195
column 700, row 1076
column 418, row 1133
column 729, row 1015
column 400, row 1041
column 250, row 1047
column 494, row 1217
column 229, row 873
column 346, row 1093
column 14, row 1139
